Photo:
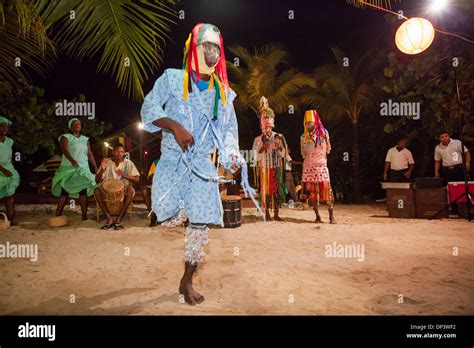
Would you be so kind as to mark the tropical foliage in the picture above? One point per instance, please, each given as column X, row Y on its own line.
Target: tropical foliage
column 343, row 91
column 430, row 81
column 30, row 113
column 127, row 36
column 266, row 72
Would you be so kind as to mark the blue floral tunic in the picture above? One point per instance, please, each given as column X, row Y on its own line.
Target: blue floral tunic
column 189, row 183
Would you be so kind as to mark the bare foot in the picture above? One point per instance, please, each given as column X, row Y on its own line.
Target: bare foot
column 331, row 216
column 318, row 220
column 268, row 217
column 277, row 218
column 190, row 295
column 110, row 220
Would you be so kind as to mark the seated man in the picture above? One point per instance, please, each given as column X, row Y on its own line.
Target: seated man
column 120, row 168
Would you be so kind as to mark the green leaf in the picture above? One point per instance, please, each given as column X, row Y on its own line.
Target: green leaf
column 19, row 54
column 127, row 35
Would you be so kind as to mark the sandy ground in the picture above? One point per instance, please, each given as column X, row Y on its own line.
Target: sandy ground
column 273, row 268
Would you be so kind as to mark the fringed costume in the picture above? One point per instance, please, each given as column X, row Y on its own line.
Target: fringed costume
column 271, row 150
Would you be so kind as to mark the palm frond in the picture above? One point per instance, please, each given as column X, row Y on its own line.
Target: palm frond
column 267, row 73
column 28, row 20
column 240, row 52
column 341, row 91
column 121, row 32
column 25, row 48
column 272, row 54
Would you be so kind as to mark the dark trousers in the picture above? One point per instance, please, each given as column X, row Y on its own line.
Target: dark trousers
column 453, row 173
column 397, row 175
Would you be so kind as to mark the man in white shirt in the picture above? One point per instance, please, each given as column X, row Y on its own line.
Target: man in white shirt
column 448, row 155
column 399, row 163
column 117, row 167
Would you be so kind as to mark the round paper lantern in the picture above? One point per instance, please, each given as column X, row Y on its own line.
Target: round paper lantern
column 414, row 35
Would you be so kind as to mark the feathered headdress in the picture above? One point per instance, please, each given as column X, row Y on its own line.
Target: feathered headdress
column 219, row 80
column 319, row 130
column 265, row 113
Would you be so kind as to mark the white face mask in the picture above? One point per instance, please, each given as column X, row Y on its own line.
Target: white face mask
column 201, row 57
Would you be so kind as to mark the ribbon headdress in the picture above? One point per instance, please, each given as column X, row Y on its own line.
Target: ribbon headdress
column 319, row 130
column 266, row 114
column 201, row 33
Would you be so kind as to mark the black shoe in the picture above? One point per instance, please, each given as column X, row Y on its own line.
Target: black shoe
column 107, row 226
column 153, row 220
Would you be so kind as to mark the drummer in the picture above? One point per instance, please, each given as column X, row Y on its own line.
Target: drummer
column 117, row 167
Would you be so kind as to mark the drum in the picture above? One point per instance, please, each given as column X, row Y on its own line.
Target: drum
column 114, row 191
column 232, row 211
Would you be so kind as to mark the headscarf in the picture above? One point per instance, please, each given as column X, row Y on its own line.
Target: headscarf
column 202, row 33
column 71, row 121
column 3, row 119
column 319, row 130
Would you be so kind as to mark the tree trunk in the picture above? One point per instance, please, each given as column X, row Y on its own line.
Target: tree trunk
column 355, row 164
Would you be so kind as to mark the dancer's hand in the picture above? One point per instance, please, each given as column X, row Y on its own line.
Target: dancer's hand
column 278, row 144
column 385, row 176
column 75, row 164
column 235, row 166
column 183, row 137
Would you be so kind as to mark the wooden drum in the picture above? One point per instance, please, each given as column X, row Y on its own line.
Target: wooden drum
column 114, row 191
column 232, row 211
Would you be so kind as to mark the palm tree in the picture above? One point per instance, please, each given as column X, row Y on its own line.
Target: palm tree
column 127, row 35
column 266, row 72
column 20, row 51
column 344, row 92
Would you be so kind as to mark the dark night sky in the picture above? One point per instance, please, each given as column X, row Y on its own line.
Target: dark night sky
column 250, row 23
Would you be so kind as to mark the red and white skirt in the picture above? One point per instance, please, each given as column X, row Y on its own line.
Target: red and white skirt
column 317, row 184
